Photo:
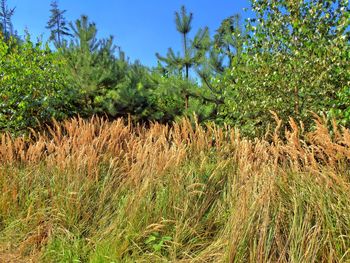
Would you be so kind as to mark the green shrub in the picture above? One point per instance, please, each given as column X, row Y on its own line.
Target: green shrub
column 33, row 86
column 296, row 61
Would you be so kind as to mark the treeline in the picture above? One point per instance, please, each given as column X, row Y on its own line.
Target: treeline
column 291, row 58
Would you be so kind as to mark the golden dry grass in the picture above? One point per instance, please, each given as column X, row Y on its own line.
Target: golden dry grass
column 98, row 191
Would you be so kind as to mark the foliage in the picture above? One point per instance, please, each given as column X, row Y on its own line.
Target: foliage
column 57, row 25
column 229, row 39
column 156, row 242
column 295, row 62
column 291, row 58
column 90, row 63
column 33, row 84
column 6, row 14
column 111, row 85
column 193, row 50
column 139, row 94
column 341, row 104
column 100, row 191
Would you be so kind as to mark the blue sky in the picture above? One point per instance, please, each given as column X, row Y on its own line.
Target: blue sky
column 140, row 27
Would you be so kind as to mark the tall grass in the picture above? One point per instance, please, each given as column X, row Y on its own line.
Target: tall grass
column 98, row 191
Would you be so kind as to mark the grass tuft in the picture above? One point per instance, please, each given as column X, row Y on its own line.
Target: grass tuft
column 98, row 191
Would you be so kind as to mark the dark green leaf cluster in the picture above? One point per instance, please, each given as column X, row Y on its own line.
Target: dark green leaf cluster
column 109, row 84
column 33, row 84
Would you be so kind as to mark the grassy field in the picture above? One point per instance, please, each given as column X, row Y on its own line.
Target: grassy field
column 98, row 191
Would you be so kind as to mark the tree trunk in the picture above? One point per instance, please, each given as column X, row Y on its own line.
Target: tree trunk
column 186, row 101
column 58, row 32
column 186, row 70
column 296, row 102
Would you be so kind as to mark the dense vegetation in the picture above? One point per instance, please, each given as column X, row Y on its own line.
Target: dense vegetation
column 291, row 58
column 96, row 191
column 218, row 154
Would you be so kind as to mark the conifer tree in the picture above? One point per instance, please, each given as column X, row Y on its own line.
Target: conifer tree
column 91, row 61
column 226, row 51
column 58, row 25
column 84, row 34
column 193, row 50
column 6, row 14
column 183, row 25
column 229, row 38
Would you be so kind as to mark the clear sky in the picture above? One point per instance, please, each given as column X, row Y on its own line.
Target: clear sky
column 140, row 27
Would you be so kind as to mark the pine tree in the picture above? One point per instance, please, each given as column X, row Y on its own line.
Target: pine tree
column 84, row 34
column 225, row 52
column 183, row 25
column 193, row 50
column 5, row 19
column 229, row 38
column 91, row 61
column 58, row 25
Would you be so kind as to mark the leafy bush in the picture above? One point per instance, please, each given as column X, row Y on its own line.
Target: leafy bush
column 296, row 61
column 33, row 86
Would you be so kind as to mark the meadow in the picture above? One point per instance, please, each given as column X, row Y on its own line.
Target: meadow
column 99, row 191
column 106, row 159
